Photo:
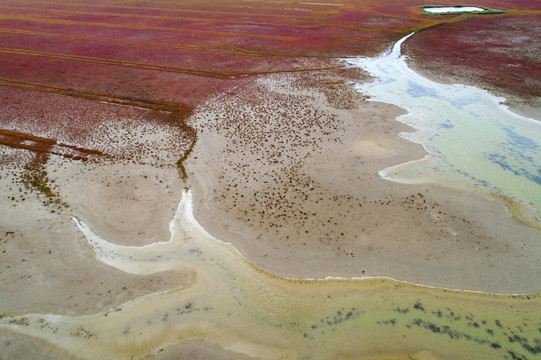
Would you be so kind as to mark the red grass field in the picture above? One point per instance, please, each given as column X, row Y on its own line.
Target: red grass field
column 65, row 66
column 501, row 52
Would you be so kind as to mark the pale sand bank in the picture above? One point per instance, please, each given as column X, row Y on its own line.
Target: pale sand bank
column 309, row 203
column 205, row 351
column 451, row 9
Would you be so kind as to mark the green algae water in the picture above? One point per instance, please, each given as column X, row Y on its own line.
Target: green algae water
column 231, row 303
column 473, row 141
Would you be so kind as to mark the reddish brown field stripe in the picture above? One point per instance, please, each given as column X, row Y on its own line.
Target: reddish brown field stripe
column 169, row 10
column 290, row 71
column 163, row 17
column 325, row 11
column 292, row 25
column 138, row 65
column 136, row 27
column 20, row 140
column 24, row 136
column 222, row 48
column 215, row 48
column 154, row 67
column 95, row 96
column 16, row 145
column 235, row 6
column 247, row 6
column 42, row 140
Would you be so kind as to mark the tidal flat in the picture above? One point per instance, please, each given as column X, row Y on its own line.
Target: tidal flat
column 224, row 301
column 286, row 241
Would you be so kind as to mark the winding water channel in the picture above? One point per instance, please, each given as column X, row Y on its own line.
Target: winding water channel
column 473, row 140
column 231, row 303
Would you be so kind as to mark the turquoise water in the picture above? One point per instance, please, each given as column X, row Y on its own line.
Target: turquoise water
column 473, row 140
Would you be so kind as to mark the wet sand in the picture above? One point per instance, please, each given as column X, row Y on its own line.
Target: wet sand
column 528, row 107
column 46, row 264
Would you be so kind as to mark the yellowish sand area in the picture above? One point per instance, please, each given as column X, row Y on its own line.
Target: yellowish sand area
column 231, row 303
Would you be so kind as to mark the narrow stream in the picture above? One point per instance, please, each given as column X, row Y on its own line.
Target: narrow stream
column 473, row 141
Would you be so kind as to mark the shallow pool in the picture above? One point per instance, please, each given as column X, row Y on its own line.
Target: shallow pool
column 453, row 9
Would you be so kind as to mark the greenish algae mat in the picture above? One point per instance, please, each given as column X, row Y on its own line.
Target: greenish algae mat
column 233, row 304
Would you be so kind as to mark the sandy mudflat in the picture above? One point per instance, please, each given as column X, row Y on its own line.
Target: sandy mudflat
column 46, row 264
column 304, row 200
